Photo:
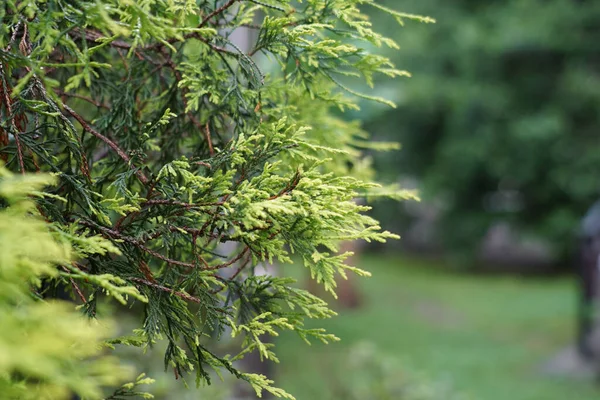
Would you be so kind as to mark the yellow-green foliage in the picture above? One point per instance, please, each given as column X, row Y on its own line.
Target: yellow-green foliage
column 48, row 350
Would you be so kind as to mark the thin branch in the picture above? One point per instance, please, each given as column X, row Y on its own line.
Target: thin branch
column 76, row 287
column 288, row 188
column 165, row 202
column 182, row 295
column 244, row 264
column 136, row 243
column 93, row 36
column 78, row 291
column 193, row 35
column 215, row 47
column 209, row 140
column 217, row 12
column 237, row 272
column 14, row 36
column 44, row 94
column 255, row 50
column 19, row 151
column 78, row 96
column 195, row 250
column 228, row 263
column 184, row 91
column 163, row 258
column 204, row 164
column 168, row 203
column 13, row 120
column 109, row 142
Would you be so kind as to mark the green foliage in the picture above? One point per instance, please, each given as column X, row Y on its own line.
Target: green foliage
column 167, row 139
column 506, row 102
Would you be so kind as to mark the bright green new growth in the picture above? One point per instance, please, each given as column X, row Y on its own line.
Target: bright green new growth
column 166, row 139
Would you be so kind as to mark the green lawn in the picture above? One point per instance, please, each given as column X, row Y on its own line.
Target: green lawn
column 485, row 336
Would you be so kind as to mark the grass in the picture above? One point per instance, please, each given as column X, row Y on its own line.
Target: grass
column 485, row 336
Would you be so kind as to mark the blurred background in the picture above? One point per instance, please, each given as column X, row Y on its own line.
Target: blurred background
column 479, row 300
column 499, row 127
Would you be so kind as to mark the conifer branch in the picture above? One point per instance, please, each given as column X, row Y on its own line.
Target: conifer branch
column 109, row 142
column 14, row 121
column 93, row 36
column 211, row 150
column 155, row 285
column 81, row 97
column 230, row 262
column 19, row 151
column 76, row 288
column 229, row 155
column 179, row 203
column 216, row 48
column 288, row 188
column 243, row 265
column 218, row 11
column 116, row 235
column 184, row 296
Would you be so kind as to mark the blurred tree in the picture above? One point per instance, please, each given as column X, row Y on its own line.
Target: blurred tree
column 167, row 139
column 502, row 121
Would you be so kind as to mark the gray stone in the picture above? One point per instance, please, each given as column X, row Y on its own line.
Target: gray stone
column 568, row 363
column 504, row 246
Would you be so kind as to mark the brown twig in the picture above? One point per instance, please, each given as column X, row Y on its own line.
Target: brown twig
column 76, row 287
column 94, row 36
column 160, row 202
column 124, row 60
column 14, row 121
column 118, row 44
column 209, row 140
column 169, row 62
column 163, row 258
column 288, row 188
column 164, row 202
column 193, row 231
column 182, row 295
column 215, row 47
column 144, row 269
column 78, row 291
column 228, row 263
column 241, row 267
column 106, row 140
column 137, row 244
column 216, row 12
column 78, row 96
column 196, row 253
column 19, row 152
column 204, row 164
column 255, row 50
column 35, row 164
